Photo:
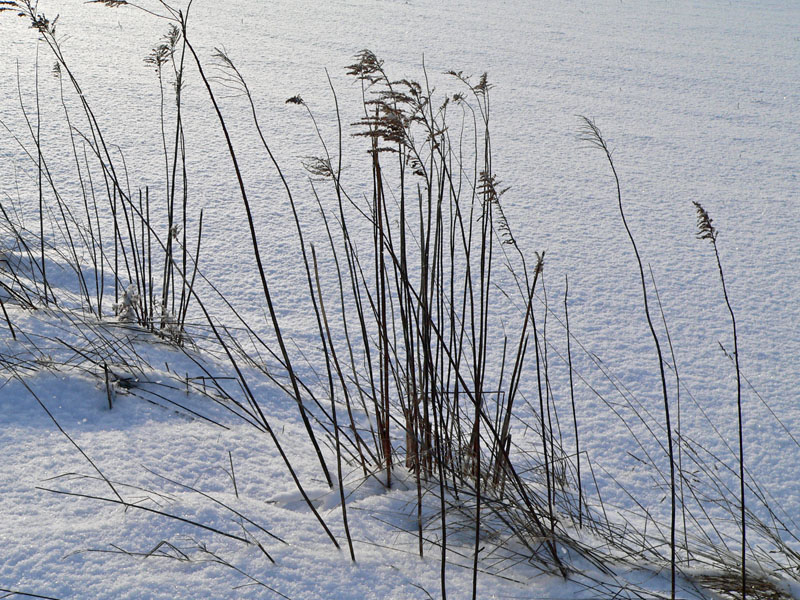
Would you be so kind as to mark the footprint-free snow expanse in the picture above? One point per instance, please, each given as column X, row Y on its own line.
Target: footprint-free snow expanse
column 699, row 101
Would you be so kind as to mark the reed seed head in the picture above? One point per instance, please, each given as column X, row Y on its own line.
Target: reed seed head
column 705, row 227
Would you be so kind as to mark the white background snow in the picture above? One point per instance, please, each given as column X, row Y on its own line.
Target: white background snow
column 699, row 101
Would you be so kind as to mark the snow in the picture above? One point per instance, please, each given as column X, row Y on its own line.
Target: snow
column 699, row 101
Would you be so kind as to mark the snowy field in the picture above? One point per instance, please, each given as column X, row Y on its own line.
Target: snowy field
column 698, row 101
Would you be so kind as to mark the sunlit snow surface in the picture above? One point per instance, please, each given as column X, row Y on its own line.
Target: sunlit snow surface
column 699, row 101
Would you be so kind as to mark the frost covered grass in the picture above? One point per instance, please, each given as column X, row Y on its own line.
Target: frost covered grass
column 414, row 384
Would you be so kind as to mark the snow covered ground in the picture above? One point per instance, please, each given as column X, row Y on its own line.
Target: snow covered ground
column 699, row 101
